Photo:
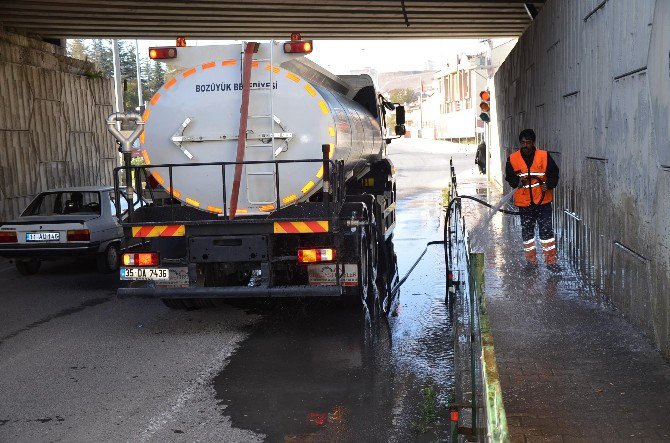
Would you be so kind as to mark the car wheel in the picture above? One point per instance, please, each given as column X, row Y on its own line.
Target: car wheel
column 108, row 261
column 28, row 267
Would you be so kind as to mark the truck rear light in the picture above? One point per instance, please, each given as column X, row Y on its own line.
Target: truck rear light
column 79, row 235
column 161, row 53
column 298, row 47
column 315, row 255
column 140, row 259
column 8, row 237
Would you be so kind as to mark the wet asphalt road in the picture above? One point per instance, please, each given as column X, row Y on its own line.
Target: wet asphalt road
column 77, row 364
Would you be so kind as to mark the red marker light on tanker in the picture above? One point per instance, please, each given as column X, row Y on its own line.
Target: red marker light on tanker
column 315, row 255
column 162, row 53
column 295, row 36
column 181, row 42
column 140, row 259
column 298, row 47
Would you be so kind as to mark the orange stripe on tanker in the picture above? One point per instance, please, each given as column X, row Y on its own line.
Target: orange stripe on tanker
column 155, row 98
column 311, row 91
column 158, row 177
column 171, row 83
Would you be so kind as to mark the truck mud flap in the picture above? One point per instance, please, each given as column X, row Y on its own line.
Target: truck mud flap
column 231, row 292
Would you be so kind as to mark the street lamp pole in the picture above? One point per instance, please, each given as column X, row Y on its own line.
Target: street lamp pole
column 118, row 89
column 140, row 99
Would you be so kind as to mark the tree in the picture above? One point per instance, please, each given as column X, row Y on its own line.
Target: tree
column 127, row 60
column 128, row 65
column 402, row 96
column 130, row 99
column 155, row 77
column 100, row 53
column 77, row 48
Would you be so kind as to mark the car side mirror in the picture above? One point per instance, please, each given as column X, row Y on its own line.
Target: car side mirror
column 400, row 130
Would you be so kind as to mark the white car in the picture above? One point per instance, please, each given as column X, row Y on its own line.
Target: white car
column 67, row 222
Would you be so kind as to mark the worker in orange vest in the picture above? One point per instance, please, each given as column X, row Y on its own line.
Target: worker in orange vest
column 535, row 175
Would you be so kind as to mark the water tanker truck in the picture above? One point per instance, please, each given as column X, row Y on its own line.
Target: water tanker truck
column 277, row 178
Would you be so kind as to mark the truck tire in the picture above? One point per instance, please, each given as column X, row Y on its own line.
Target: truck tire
column 365, row 282
column 387, row 277
column 28, row 267
column 108, row 261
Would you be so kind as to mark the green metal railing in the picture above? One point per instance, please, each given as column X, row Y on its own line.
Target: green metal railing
column 478, row 412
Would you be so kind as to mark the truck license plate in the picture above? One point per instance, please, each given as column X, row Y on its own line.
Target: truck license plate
column 324, row 275
column 145, row 274
column 42, row 236
column 178, row 279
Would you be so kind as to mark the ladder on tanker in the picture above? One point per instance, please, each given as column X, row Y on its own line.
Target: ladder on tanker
column 261, row 179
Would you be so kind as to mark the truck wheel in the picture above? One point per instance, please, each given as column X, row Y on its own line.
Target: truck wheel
column 387, row 276
column 108, row 261
column 28, row 267
column 386, row 298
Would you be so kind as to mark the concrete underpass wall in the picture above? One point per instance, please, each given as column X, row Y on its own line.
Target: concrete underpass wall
column 52, row 122
column 592, row 78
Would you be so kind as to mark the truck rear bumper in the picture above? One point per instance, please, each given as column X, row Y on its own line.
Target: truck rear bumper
column 231, row 292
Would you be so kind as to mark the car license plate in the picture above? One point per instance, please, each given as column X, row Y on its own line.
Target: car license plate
column 145, row 274
column 324, row 275
column 42, row 236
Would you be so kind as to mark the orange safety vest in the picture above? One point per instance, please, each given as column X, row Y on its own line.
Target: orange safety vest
column 538, row 170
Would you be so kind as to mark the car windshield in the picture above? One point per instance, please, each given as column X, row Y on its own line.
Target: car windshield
column 64, row 203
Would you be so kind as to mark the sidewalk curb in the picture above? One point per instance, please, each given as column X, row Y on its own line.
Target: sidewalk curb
column 495, row 409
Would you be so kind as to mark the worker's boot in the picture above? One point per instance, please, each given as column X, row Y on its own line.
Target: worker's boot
column 549, row 249
column 529, row 252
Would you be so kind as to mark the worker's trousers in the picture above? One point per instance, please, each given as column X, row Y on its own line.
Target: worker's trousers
column 539, row 215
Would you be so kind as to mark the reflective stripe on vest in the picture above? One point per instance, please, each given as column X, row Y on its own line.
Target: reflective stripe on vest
column 538, row 169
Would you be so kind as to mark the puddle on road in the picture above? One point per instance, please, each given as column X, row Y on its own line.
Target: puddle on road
column 310, row 371
column 316, row 371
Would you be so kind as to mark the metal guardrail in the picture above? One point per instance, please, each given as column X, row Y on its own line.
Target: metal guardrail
column 477, row 413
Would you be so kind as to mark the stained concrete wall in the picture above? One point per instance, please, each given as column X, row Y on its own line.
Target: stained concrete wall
column 592, row 77
column 52, row 122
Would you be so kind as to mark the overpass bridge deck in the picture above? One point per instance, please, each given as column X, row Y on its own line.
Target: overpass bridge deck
column 571, row 368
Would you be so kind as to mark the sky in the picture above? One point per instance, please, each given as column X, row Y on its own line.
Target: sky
column 342, row 56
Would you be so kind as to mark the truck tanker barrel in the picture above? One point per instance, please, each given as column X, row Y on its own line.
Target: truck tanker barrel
column 295, row 107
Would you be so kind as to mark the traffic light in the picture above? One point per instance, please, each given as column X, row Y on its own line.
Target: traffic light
column 485, row 106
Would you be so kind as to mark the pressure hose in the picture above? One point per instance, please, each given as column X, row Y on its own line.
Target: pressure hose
column 447, row 223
